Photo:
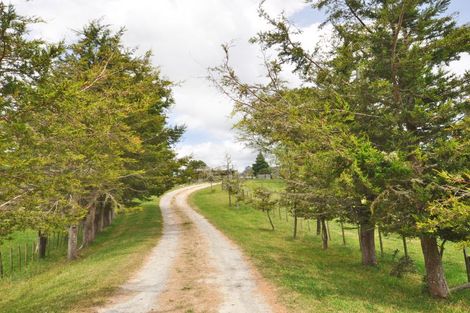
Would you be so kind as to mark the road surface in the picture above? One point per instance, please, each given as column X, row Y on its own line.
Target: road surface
column 193, row 268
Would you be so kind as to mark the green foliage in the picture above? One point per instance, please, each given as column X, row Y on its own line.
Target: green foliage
column 316, row 280
column 194, row 170
column 381, row 136
column 404, row 266
column 263, row 201
column 260, row 167
column 82, row 125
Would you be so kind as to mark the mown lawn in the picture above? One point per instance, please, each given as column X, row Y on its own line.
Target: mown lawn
column 313, row 280
column 56, row 285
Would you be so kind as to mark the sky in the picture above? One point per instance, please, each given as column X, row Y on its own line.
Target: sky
column 186, row 37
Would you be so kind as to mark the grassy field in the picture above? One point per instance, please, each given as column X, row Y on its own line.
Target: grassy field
column 56, row 285
column 313, row 280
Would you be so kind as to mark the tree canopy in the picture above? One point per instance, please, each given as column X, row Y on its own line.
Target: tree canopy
column 83, row 128
column 260, row 167
column 378, row 134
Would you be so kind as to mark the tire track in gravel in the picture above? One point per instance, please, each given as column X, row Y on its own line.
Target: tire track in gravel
column 194, row 268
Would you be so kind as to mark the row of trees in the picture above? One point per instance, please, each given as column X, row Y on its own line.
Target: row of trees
column 83, row 130
column 379, row 134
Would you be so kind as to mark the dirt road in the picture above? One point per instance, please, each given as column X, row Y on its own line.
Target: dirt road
column 194, row 268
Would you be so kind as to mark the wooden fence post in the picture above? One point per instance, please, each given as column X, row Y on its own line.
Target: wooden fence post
column 32, row 251
column 1, row 265
column 25, row 254
column 19, row 258
column 467, row 263
column 359, row 235
column 11, row 260
column 405, row 246
column 342, row 233
column 328, row 229
column 381, row 243
column 48, row 246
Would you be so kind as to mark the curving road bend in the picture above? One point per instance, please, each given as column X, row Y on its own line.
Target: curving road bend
column 193, row 268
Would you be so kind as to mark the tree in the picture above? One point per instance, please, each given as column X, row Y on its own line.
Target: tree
column 263, row 201
column 83, row 131
column 231, row 181
column 24, row 64
column 260, row 167
column 384, row 104
column 193, row 170
column 403, row 43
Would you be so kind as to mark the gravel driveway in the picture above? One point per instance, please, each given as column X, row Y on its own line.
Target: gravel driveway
column 193, row 268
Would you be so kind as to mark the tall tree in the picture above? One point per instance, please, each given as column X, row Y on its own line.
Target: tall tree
column 261, row 167
column 83, row 131
column 384, row 79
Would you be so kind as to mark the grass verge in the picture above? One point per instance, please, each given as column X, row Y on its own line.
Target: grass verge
column 56, row 285
column 314, row 280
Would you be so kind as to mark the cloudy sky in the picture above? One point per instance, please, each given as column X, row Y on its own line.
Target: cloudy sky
column 185, row 37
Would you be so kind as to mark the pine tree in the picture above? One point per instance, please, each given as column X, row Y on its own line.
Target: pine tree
column 261, row 167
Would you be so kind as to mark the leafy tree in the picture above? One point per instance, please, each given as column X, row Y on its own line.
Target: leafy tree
column 193, row 170
column 260, row 167
column 24, row 63
column 263, row 201
column 385, row 105
column 83, row 131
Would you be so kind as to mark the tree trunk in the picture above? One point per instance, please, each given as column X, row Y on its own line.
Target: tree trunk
column 295, row 226
column 42, row 245
column 230, row 199
column 111, row 215
column 96, row 227
column 73, row 242
column 270, row 220
column 318, row 227
column 89, row 227
column 324, row 234
column 435, row 277
column 106, row 216
column 101, row 218
column 367, row 243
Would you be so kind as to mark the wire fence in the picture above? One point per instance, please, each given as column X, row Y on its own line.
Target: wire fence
column 21, row 255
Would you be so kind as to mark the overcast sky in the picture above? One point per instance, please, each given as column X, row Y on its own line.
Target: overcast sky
column 185, row 37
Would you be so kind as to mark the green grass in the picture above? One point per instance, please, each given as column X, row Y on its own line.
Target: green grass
column 313, row 280
column 19, row 253
column 56, row 285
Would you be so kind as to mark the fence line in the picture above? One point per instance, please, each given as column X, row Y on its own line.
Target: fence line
column 20, row 257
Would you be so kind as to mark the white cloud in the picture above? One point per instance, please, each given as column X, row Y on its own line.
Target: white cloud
column 185, row 36
column 459, row 67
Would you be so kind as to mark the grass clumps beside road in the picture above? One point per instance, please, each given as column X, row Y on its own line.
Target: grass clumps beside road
column 315, row 280
column 57, row 285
